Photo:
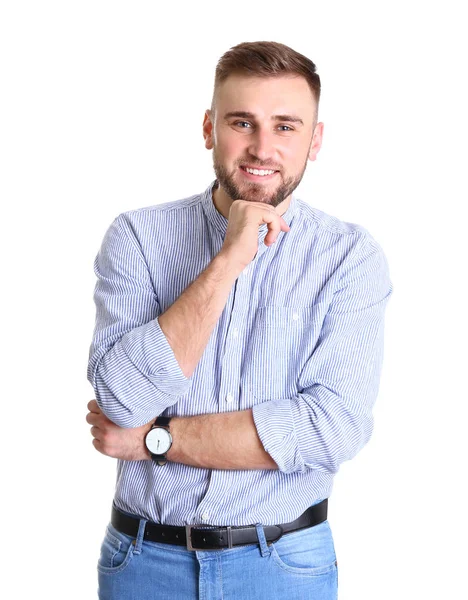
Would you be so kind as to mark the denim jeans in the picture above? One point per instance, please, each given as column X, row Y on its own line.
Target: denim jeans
column 300, row 565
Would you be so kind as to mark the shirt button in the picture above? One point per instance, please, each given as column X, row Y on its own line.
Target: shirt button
column 295, row 316
column 229, row 398
column 235, row 332
column 205, row 517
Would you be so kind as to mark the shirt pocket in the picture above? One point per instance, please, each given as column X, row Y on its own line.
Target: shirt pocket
column 280, row 339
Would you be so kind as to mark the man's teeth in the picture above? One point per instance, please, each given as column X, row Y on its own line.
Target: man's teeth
column 258, row 172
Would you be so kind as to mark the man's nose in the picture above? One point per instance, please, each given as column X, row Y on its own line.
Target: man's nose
column 262, row 145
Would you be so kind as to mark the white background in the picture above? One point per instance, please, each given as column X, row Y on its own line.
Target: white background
column 102, row 106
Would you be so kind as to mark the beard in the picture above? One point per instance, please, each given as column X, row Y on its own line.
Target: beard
column 252, row 191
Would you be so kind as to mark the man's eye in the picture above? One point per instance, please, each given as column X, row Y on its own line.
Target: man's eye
column 287, row 128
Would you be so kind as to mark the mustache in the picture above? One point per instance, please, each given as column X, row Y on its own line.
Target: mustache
column 255, row 166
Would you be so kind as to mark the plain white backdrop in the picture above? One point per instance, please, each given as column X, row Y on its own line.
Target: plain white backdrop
column 102, row 106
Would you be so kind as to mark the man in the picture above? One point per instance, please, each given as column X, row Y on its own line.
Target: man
column 236, row 357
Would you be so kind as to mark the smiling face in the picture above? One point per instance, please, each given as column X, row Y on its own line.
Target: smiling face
column 262, row 123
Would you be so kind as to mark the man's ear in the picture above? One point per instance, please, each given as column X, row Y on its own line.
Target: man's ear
column 316, row 141
column 208, row 130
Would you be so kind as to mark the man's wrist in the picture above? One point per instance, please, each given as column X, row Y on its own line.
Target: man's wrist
column 175, row 432
column 228, row 265
column 146, row 455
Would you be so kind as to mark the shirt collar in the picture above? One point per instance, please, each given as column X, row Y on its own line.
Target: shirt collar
column 220, row 222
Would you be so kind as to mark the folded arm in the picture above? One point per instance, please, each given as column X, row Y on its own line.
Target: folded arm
column 132, row 367
column 330, row 419
column 141, row 361
column 211, row 441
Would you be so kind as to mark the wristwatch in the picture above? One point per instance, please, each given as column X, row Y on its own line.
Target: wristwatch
column 158, row 440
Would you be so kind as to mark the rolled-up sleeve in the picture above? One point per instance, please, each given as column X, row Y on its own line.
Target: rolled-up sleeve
column 330, row 418
column 132, row 367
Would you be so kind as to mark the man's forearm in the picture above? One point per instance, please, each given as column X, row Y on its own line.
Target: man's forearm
column 188, row 323
column 211, row 441
column 218, row 441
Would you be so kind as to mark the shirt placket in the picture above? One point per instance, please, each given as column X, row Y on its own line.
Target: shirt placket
column 236, row 316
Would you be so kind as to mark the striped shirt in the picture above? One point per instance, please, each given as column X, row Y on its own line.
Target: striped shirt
column 300, row 342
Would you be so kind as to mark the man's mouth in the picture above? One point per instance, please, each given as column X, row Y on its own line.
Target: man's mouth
column 258, row 174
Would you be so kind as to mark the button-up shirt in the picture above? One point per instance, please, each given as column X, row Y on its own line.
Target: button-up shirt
column 299, row 341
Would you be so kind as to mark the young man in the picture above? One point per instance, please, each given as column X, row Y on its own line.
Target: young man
column 236, row 357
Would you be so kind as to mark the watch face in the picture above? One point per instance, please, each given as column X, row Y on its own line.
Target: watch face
column 158, row 440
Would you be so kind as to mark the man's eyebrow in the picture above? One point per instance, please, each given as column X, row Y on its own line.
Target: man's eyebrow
column 249, row 115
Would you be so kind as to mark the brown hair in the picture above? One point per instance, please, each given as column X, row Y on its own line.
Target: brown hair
column 265, row 59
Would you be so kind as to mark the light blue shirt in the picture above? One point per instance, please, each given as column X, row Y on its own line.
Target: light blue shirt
column 300, row 341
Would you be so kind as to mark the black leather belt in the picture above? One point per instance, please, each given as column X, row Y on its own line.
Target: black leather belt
column 199, row 537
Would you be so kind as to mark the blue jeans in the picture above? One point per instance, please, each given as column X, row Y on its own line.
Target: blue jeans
column 300, row 565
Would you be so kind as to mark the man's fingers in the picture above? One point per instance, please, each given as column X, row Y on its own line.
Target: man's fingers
column 93, row 406
column 103, row 449
column 97, row 445
column 273, row 231
column 275, row 224
column 92, row 418
column 96, row 433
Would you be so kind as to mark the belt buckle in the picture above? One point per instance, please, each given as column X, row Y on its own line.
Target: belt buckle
column 188, row 536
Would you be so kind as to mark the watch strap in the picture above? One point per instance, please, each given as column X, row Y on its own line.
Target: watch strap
column 160, row 459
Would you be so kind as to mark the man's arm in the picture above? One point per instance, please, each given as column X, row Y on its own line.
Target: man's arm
column 188, row 323
column 330, row 419
column 132, row 365
column 141, row 360
column 211, row 441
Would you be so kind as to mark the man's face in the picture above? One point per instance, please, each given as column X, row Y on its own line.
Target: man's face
column 260, row 139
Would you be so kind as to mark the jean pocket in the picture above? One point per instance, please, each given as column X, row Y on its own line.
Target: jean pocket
column 308, row 551
column 116, row 552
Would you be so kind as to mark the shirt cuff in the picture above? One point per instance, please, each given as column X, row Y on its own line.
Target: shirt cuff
column 275, row 427
column 148, row 349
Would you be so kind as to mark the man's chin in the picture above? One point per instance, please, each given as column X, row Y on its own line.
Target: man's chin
column 256, row 193
column 250, row 191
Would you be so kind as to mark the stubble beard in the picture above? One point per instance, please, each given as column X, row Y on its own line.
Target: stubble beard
column 255, row 192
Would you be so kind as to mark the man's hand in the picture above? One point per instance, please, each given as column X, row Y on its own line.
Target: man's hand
column 241, row 241
column 115, row 441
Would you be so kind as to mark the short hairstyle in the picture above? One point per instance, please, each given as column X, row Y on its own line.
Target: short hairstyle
column 266, row 59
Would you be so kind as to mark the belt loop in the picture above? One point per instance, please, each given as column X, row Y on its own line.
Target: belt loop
column 229, row 536
column 140, row 536
column 264, row 549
